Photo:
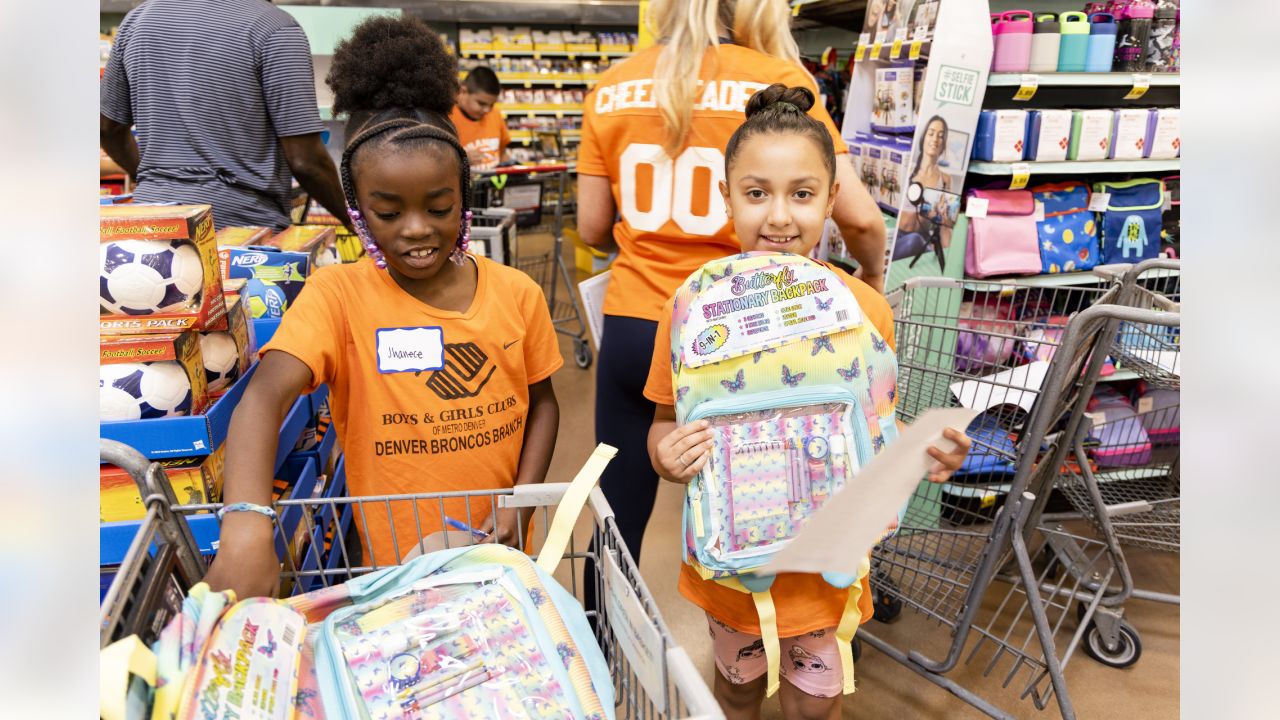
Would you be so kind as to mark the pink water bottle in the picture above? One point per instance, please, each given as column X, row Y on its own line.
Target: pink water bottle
column 1013, row 42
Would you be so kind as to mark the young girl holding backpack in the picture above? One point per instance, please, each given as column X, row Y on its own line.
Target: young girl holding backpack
column 438, row 362
column 779, row 188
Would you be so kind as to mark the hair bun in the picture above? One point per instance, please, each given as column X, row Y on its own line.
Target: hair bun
column 773, row 96
column 393, row 62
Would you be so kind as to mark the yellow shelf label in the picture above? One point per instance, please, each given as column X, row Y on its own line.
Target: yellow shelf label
column 1027, row 89
column 1021, row 174
column 916, row 47
column 895, row 50
column 1141, row 81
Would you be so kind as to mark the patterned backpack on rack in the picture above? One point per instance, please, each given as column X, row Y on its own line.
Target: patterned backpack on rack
column 799, row 389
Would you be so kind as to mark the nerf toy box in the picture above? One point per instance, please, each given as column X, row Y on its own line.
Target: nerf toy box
column 195, row 481
column 268, row 277
column 158, row 270
column 143, row 377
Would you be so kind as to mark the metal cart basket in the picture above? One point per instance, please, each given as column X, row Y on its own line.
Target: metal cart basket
column 969, row 554
column 653, row 677
column 549, row 268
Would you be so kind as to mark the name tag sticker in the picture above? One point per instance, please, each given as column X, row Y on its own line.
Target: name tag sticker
column 411, row 349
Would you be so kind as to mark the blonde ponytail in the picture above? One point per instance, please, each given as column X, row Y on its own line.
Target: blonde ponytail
column 687, row 28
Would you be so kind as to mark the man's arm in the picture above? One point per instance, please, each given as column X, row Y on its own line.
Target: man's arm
column 118, row 141
column 861, row 224
column 311, row 164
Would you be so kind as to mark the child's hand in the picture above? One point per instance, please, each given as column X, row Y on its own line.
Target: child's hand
column 948, row 463
column 682, row 453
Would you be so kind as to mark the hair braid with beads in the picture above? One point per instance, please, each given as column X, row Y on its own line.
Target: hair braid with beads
column 406, row 128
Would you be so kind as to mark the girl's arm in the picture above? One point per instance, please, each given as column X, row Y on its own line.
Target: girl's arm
column 596, row 212
column 540, row 430
column 246, row 560
column 678, row 453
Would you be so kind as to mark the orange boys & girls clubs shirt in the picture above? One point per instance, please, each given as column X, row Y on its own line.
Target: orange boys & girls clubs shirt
column 424, row 400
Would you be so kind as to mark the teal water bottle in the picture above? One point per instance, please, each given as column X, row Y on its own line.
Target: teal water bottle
column 1102, row 42
column 1073, row 49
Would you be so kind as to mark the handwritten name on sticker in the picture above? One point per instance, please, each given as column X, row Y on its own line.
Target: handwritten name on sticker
column 413, row 349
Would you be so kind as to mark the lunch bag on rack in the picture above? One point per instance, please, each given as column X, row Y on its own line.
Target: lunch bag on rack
column 1121, row 439
column 799, row 388
column 1131, row 222
column 1068, row 234
column 1004, row 242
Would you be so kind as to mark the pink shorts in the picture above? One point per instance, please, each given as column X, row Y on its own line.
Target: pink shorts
column 810, row 662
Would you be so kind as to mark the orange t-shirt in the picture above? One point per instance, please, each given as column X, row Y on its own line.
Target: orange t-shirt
column 673, row 218
column 405, row 430
column 487, row 136
column 804, row 602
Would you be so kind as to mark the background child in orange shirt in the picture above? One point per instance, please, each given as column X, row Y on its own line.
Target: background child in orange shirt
column 438, row 362
column 780, row 187
column 481, row 128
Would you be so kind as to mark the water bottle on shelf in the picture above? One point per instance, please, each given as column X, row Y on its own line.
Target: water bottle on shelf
column 1161, row 55
column 1102, row 42
column 1073, row 49
column 1045, row 39
column 1132, row 36
column 1012, row 36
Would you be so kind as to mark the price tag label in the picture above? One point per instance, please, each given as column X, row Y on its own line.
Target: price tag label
column 573, row 56
column 878, row 44
column 481, row 55
column 977, row 207
column 604, row 57
column 1141, row 81
column 537, row 56
column 527, row 85
column 1027, row 88
column 861, row 51
column 559, row 84
column 531, row 114
column 1021, row 174
column 916, row 47
column 795, row 10
column 1099, row 201
column 895, row 50
column 1168, row 202
column 559, row 114
column 1038, row 215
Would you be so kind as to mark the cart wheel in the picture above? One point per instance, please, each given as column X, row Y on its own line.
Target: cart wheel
column 1126, row 652
column 582, row 353
column 888, row 606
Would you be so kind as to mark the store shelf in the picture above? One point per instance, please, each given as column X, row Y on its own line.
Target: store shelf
column 558, row 112
column 537, row 54
column 1070, row 167
column 1069, row 79
column 514, row 81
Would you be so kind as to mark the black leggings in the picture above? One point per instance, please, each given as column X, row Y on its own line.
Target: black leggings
column 623, row 416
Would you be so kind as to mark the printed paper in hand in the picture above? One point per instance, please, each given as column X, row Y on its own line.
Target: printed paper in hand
column 839, row 536
column 592, row 291
column 1002, row 387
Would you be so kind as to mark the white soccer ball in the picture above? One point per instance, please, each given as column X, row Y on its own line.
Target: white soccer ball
column 221, row 359
column 135, row 391
column 142, row 277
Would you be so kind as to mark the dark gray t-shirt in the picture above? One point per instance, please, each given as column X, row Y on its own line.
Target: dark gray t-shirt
column 210, row 87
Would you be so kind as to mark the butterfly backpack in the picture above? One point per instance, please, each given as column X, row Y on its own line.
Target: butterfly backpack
column 798, row 386
column 481, row 631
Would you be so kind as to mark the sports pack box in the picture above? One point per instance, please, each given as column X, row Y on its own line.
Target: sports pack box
column 142, row 377
column 226, row 353
column 247, row 253
column 158, row 270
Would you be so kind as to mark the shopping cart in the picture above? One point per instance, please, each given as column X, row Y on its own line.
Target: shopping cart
column 967, row 554
column 1125, row 474
column 653, row 677
column 549, row 268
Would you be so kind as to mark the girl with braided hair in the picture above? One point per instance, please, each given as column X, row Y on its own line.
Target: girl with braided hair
column 438, row 362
